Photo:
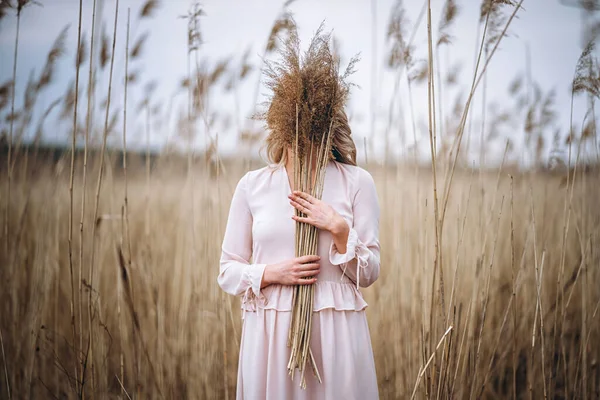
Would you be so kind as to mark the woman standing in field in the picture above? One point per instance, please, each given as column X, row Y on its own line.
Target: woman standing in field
column 261, row 228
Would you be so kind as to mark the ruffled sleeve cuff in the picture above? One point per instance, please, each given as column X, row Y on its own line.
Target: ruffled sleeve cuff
column 355, row 249
column 252, row 276
column 335, row 258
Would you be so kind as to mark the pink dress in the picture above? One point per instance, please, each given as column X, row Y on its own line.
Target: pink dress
column 260, row 228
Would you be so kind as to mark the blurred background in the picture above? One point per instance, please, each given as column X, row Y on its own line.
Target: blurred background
column 125, row 126
column 222, row 45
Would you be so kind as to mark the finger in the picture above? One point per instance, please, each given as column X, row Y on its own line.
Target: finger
column 311, row 258
column 299, row 207
column 300, row 200
column 311, row 273
column 308, row 267
column 305, row 196
column 302, row 281
column 303, row 219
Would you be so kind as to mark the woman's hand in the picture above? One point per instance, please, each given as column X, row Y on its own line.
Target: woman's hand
column 297, row 271
column 321, row 215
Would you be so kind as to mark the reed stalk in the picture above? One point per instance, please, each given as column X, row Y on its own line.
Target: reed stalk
column 90, row 354
column 568, row 196
column 539, row 271
column 125, row 204
column 373, row 89
column 72, row 173
column 223, row 294
column 474, row 85
column 5, row 366
column 514, row 283
column 147, row 125
column 422, row 371
column 437, row 267
column 88, row 121
column 10, row 135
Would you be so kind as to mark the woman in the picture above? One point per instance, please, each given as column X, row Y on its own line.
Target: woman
column 258, row 255
column 261, row 227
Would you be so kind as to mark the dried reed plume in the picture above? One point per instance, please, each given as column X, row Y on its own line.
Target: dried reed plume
column 401, row 57
column 308, row 94
column 4, row 6
column 149, row 8
column 5, row 90
column 58, row 49
column 491, row 13
column 310, row 82
column 280, row 28
column 284, row 23
column 136, row 51
column 449, row 15
column 194, row 33
column 104, row 52
column 401, row 52
column 587, row 73
column 82, row 52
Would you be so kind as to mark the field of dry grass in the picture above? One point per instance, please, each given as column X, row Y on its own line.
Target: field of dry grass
column 520, row 287
column 490, row 289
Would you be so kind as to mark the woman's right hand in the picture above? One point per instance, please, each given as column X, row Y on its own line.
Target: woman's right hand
column 292, row 272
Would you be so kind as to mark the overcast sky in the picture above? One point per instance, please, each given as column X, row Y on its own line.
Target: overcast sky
column 552, row 32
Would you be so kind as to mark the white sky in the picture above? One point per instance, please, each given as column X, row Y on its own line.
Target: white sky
column 551, row 30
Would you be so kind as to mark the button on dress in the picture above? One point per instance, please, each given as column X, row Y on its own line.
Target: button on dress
column 260, row 231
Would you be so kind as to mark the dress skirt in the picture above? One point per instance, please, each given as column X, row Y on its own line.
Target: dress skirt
column 338, row 343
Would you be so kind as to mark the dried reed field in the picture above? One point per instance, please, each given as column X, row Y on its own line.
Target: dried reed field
column 490, row 277
column 520, row 290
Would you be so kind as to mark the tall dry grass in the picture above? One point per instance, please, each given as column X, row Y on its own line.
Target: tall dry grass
column 490, row 280
column 522, row 322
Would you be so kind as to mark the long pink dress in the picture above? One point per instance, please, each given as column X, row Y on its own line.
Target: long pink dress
column 260, row 228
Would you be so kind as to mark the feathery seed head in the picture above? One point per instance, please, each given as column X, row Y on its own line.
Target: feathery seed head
column 307, row 88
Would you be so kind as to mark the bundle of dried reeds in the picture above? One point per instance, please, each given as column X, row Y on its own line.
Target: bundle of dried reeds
column 308, row 96
column 309, row 177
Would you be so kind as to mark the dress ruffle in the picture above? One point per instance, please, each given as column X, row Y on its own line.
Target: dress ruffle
column 341, row 296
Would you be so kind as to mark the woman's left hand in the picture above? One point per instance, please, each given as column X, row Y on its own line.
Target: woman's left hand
column 318, row 213
column 321, row 215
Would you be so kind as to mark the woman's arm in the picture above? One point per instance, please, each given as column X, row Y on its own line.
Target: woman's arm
column 360, row 261
column 355, row 249
column 340, row 232
column 236, row 274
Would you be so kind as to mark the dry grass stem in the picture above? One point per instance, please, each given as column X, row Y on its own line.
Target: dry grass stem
column 90, row 350
column 72, row 174
column 422, row 372
column 88, row 128
column 5, row 366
